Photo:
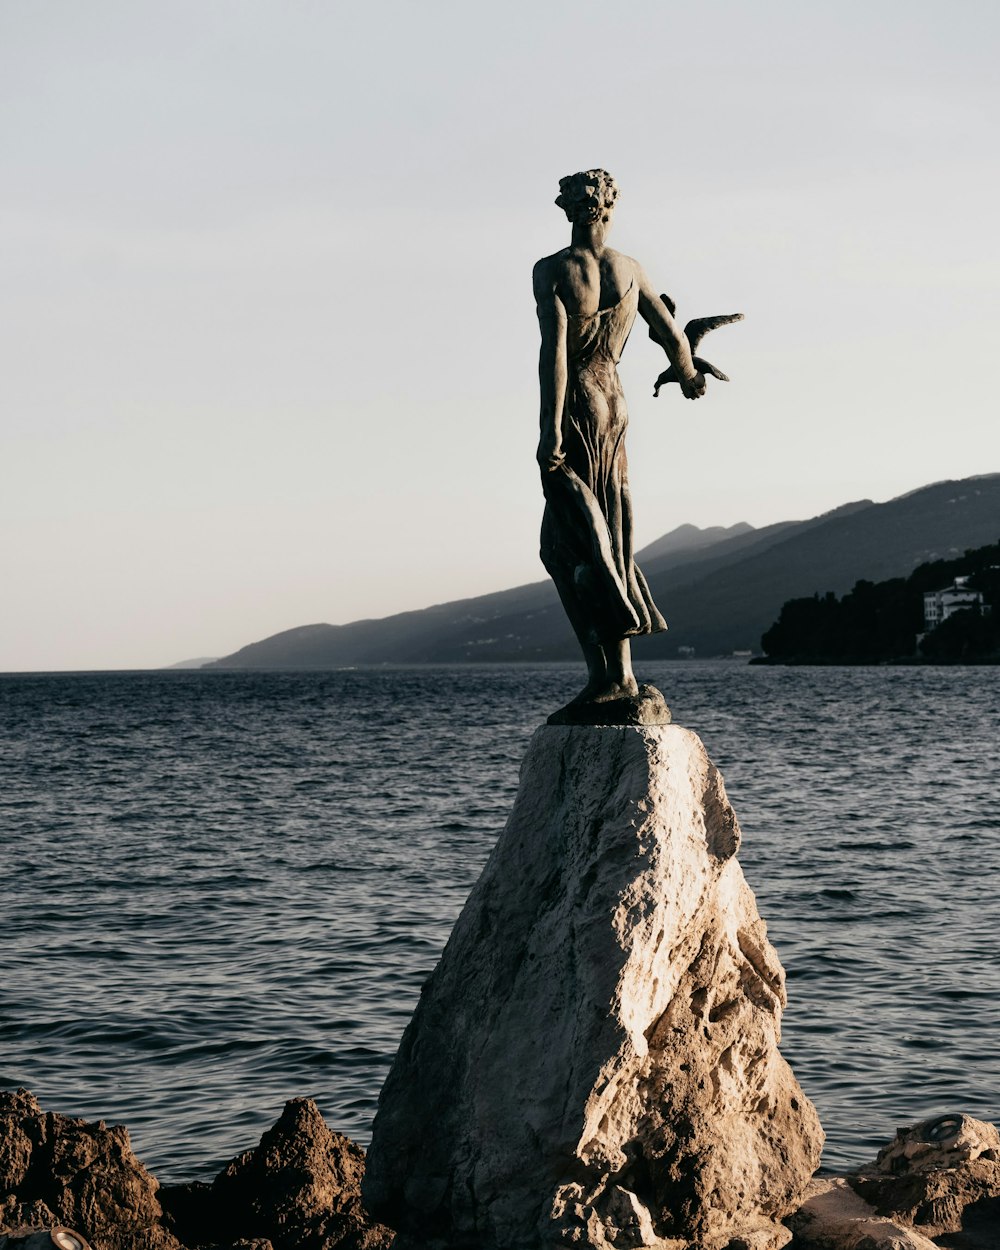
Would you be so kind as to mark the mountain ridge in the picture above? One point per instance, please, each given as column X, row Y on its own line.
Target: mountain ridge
column 689, row 537
column 717, row 598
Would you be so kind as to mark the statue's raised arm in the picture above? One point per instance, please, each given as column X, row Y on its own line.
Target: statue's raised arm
column 587, row 296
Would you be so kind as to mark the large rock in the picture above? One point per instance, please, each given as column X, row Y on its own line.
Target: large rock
column 939, row 1176
column 58, row 1170
column 299, row 1189
column 595, row 1059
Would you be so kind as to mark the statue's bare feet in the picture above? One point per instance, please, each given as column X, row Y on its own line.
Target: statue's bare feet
column 616, row 690
column 606, row 691
column 614, row 703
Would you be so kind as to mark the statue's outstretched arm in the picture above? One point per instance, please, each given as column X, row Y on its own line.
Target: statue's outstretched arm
column 670, row 336
column 551, row 367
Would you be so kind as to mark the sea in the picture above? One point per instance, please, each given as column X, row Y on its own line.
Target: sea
column 222, row 890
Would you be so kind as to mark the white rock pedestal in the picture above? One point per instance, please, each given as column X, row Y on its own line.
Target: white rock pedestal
column 594, row 1060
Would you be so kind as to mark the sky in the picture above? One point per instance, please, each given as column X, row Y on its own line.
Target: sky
column 268, row 352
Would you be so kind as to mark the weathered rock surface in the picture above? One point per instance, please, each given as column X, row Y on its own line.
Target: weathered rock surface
column 594, row 1061
column 57, row 1170
column 834, row 1217
column 940, row 1176
column 300, row 1189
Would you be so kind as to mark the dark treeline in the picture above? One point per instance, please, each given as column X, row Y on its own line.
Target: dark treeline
column 880, row 621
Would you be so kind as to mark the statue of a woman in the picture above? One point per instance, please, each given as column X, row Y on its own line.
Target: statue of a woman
column 587, row 297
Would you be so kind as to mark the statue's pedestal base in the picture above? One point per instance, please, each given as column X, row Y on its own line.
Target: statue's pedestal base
column 594, row 1062
column 648, row 707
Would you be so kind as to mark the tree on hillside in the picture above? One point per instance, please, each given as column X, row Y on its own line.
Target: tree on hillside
column 879, row 621
column 965, row 636
column 872, row 621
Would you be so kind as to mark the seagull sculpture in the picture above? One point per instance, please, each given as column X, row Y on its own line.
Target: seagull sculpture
column 695, row 331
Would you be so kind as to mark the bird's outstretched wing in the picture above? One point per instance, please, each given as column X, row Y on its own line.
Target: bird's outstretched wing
column 700, row 363
column 695, row 331
column 700, row 326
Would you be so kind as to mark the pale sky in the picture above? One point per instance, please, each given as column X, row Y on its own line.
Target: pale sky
column 269, row 347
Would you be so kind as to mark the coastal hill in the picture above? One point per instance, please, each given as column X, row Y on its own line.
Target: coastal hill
column 884, row 622
column 718, row 595
column 691, row 538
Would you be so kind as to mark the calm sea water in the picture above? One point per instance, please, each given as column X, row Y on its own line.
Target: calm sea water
column 222, row 890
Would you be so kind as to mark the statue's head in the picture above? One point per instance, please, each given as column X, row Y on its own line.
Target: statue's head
column 588, row 196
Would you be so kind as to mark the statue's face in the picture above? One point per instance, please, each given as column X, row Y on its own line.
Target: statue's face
column 592, row 211
column 597, row 213
column 596, row 210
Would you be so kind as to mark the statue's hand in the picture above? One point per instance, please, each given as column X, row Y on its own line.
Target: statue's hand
column 550, row 454
column 695, row 387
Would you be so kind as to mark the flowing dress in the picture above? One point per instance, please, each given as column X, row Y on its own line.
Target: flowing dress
column 586, row 541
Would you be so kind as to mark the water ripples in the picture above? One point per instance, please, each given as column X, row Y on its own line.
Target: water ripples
column 223, row 890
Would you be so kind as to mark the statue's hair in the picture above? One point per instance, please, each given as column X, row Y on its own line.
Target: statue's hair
column 588, row 195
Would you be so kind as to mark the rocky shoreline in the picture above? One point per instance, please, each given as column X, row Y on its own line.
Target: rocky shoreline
column 299, row 1189
column 937, row 1184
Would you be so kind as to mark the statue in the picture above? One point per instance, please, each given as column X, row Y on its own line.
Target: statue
column 587, row 297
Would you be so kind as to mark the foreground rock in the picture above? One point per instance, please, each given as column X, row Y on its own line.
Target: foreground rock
column 942, row 1177
column 935, row 1185
column 57, row 1170
column 298, row 1190
column 594, row 1060
column 834, row 1217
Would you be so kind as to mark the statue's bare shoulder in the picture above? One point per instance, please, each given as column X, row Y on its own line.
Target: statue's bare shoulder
column 545, row 281
column 545, row 275
column 582, row 282
column 569, row 260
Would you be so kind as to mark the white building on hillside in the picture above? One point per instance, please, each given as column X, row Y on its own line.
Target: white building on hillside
column 940, row 604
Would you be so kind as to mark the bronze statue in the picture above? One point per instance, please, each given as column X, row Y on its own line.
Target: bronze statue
column 587, row 297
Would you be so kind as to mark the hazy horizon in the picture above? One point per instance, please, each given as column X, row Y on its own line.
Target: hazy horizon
column 270, row 342
column 193, row 661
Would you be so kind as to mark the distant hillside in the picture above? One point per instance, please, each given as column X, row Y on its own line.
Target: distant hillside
column 691, row 538
column 881, row 622
column 716, row 599
column 411, row 634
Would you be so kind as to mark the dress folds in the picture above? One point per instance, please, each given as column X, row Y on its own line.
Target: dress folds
column 586, row 541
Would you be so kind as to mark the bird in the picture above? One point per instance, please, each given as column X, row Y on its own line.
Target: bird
column 694, row 331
